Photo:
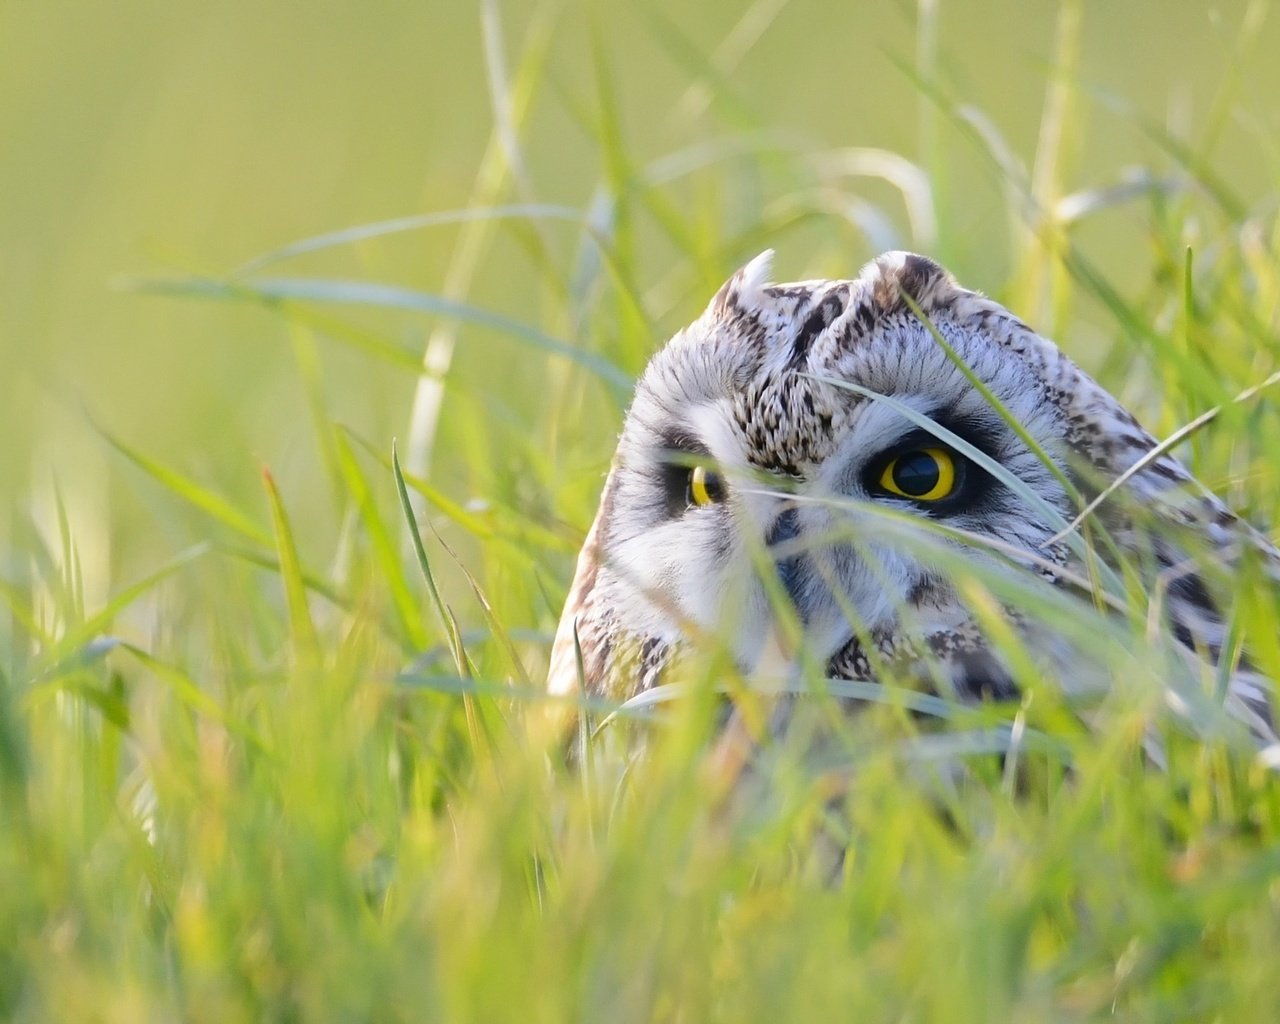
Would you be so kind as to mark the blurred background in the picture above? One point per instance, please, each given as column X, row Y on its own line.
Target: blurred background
column 186, row 139
column 247, row 810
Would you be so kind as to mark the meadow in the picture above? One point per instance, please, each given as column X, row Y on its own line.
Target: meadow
column 319, row 325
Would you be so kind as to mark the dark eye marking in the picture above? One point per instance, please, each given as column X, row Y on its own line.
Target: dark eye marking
column 688, row 478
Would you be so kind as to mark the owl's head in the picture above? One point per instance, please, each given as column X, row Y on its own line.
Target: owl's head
column 764, row 439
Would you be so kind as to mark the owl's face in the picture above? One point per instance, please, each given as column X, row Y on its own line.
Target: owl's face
column 764, row 438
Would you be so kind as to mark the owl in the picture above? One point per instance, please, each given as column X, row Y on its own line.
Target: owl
column 839, row 473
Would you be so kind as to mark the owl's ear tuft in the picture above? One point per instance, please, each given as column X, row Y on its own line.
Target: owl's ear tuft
column 894, row 274
column 744, row 291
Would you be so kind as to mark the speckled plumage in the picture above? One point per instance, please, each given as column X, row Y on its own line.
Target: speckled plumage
column 770, row 385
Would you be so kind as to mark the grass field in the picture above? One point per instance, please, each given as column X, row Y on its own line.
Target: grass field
column 262, row 759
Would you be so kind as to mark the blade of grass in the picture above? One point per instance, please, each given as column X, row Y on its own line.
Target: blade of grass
column 1092, row 563
column 424, row 563
column 307, row 360
column 17, row 600
column 1045, row 284
column 310, row 580
column 384, row 548
column 190, row 693
column 1196, row 166
column 907, row 178
column 459, row 685
column 998, row 406
column 928, row 124
column 511, row 526
column 360, row 293
column 85, row 632
column 358, row 339
column 304, row 639
column 1018, row 183
column 212, row 505
column 703, row 71
column 1161, row 449
column 492, row 178
column 72, row 582
column 847, row 689
column 399, row 225
column 497, row 631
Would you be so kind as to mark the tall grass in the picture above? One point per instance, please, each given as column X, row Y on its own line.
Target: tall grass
column 299, row 768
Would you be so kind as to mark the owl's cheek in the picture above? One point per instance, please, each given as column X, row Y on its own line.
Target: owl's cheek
column 692, row 571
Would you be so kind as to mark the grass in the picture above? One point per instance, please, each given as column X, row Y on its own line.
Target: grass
column 287, row 757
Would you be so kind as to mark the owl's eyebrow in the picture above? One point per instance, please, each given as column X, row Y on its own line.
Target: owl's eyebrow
column 683, row 443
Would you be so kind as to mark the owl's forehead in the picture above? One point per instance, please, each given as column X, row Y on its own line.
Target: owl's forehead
column 778, row 358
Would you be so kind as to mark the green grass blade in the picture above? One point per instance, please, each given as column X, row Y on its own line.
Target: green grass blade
column 87, row 630
column 499, row 522
column 497, row 631
column 384, row 548
column 361, row 293
column 18, row 600
column 212, row 505
column 314, row 583
column 304, row 639
column 1160, row 450
column 399, row 225
column 419, row 550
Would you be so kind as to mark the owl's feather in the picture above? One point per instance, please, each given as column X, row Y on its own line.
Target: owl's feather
column 796, row 394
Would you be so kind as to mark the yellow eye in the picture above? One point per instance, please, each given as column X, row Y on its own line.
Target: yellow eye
column 928, row 474
column 705, row 486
